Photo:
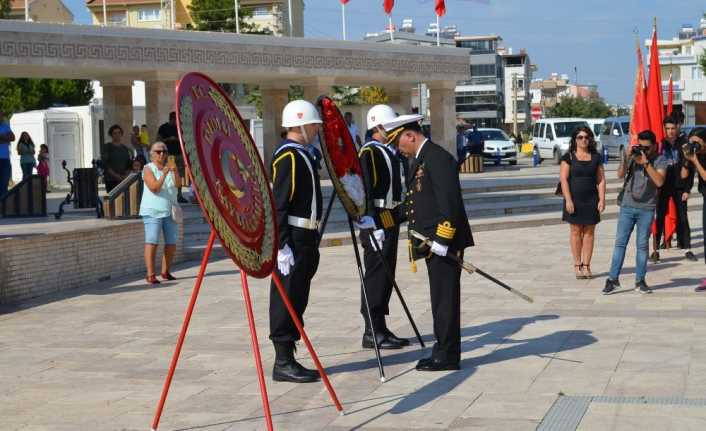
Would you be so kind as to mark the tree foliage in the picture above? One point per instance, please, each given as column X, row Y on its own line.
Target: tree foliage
column 219, row 15
column 593, row 107
column 373, row 95
column 24, row 94
column 346, row 95
column 702, row 59
column 4, row 8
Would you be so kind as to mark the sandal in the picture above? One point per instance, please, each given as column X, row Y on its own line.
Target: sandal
column 167, row 276
column 152, row 279
column 579, row 273
column 587, row 272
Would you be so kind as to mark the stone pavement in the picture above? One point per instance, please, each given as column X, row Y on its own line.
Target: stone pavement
column 95, row 358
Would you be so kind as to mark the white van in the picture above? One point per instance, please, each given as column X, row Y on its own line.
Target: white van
column 596, row 125
column 551, row 136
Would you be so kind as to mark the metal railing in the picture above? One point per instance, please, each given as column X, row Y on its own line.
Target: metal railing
column 124, row 200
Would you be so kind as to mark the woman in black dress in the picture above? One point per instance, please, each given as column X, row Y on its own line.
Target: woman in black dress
column 583, row 186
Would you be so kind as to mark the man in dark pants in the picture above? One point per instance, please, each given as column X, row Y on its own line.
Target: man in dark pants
column 382, row 176
column 674, row 188
column 434, row 208
column 297, row 198
column 168, row 134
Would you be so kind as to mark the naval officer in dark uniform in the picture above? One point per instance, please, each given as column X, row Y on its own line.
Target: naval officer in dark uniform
column 382, row 177
column 297, row 198
column 434, row 208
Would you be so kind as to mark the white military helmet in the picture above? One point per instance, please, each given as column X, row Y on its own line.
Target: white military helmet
column 380, row 114
column 298, row 113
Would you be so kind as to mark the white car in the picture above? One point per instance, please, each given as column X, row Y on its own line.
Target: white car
column 498, row 147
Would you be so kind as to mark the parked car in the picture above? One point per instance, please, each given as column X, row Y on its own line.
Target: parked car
column 615, row 135
column 498, row 147
column 596, row 125
column 551, row 136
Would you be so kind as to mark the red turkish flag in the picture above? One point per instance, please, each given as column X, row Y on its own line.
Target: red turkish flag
column 655, row 100
column 388, row 5
column 440, row 7
column 344, row 1
column 640, row 119
column 670, row 95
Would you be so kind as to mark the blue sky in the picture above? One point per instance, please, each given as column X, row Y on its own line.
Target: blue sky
column 596, row 36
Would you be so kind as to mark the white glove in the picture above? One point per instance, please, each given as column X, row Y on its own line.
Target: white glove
column 365, row 222
column 439, row 249
column 285, row 260
column 379, row 236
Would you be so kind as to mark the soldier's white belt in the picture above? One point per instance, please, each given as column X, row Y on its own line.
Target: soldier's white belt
column 303, row 223
column 380, row 203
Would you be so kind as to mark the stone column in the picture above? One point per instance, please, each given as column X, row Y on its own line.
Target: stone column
column 400, row 99
column 160, row 101
column 321, row 86
column 117, row 107
column 442, row 104
column 273, row 101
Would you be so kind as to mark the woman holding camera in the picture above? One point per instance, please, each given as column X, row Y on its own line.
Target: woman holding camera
column 695, row 154
column 583, row 186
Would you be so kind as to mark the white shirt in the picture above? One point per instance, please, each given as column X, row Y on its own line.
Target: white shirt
column 419, row 150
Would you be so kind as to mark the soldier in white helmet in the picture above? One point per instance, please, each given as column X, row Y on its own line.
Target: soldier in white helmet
column 297, row 196
column 382, row 174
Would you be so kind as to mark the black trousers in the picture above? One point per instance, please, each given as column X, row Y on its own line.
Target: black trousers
column 377, row 285
column 683, row 230
column 445, row 289
column 297, row 285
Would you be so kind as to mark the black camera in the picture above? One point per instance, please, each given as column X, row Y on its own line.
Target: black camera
column 692, row 147
column 637, row 151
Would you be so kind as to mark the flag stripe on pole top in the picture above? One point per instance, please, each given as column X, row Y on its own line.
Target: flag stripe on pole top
column 655, row 98
column 440, row 8
column 388, row 5
column 670, row 96
column 639, row 118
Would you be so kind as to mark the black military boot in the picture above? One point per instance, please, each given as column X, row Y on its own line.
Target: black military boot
column 287, row 369
column 403, row 342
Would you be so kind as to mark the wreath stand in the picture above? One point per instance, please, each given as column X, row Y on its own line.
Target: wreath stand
column 253, row 338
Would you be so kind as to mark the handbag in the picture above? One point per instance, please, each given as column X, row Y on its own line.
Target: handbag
column 559, row 191
column 177, row 213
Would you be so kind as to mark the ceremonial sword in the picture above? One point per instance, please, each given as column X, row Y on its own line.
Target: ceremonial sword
column 470, row 268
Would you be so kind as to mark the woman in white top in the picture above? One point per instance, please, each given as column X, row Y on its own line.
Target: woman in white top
column 158, row 197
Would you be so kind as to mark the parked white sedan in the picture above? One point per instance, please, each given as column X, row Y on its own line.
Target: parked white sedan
column 498, row 147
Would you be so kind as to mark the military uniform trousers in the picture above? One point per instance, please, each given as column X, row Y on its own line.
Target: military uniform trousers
column 304, row 245
column 377, row 285
column 445, row 290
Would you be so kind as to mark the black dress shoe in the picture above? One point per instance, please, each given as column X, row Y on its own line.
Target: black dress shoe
column 395, row 339
column 383, row 342
column 690, row 256
column 293, row 372
column 431, row 364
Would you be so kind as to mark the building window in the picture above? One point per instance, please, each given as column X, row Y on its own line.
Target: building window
column 697, row 96
column 482, row 70
column 149, row 14
column 117, row 19
column 261, row 11
column 696, row 72
column 687, row 50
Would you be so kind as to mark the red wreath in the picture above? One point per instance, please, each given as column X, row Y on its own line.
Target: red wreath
column 344, row 157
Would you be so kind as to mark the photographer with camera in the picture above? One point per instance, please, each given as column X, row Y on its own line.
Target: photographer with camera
column 695, row 154
column 644, row 174
column 675, row 188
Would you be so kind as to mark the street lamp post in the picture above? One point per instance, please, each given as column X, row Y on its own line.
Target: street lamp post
column 105, row 14
column 237, row 16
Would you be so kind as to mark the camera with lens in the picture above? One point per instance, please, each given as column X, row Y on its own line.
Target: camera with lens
column 692, row 148
column 637, row 151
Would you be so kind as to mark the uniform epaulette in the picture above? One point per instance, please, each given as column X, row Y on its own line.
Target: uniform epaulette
column 386, row 219
column 444, row 230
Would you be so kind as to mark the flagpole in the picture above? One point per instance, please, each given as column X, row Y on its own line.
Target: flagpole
column 291, row 26
column 392, row 31
column 343, row 18
column 438, row 31
column 105, row 15
column 237, row 16
column 26, row 10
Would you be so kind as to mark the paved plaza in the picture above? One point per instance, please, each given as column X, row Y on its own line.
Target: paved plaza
column 95, row 358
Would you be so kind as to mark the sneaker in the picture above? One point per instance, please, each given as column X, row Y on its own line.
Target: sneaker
column 690, row 256
column 610, row 286
column 702, row 286
column 654, row 257
column 642, row 287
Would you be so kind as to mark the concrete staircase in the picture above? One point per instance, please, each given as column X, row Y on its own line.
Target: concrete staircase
column 502, row 199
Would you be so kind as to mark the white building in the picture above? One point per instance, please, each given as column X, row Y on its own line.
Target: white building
column 680, row 57
column 517, row 71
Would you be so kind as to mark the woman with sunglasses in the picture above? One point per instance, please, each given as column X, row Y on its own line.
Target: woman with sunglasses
column 158, row 197
column 583, row 186
column 695, row 154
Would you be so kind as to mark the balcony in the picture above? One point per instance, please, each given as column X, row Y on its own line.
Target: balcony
column 665, row 60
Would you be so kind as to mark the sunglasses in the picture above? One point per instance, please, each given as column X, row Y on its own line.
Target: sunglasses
column 582, row 137
column 159, row 151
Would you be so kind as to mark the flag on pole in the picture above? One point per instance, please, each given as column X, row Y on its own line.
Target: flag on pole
column 440, row 8
column 344, row 1
column 655, row 99
column 388, row 5
column 640, row 119
column 670, row 95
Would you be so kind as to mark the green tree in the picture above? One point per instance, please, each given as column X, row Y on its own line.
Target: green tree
column 24, row 94
column 702, row 59
column 593, row 107
column 373, row 95
column 4, row 8
column 346, row 95
column 219, row 15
